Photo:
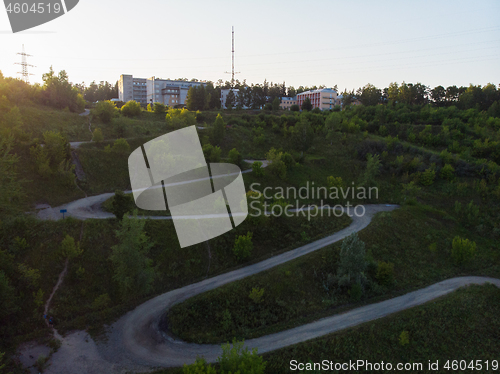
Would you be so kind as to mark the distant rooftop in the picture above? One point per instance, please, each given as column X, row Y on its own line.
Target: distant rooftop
column 319, row 90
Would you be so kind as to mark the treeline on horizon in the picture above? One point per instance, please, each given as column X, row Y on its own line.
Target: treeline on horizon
column 56, row 92
column 257, row 96
column 59, row 93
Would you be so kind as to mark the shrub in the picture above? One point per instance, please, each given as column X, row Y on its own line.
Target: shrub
column 256, row 295
column 239, row 360
column 120, row 145
column 404, row 338
column 97, row 135
column 29, row 275
column 356, row 292
column 227, row 320
column 131, row 109
column 215, row 154
column 70, row 249
column 427, row 177
column 159, row 108
column 294, row 108
column 334, row 182
column 200, row 366
column 41, row 363
column 179, row 118
column 368, row 146
column 276, row 165
column 121, row 204
column 243, row 246
column 101, row 302
column 352, row 261
column 385, row 273
column 257, row 169
column 80, row 272
column 446, row 156
column 207, row 150
column 447, row 172
column 468, row 214
column 56, row 147
column 462, row 250
column 42, row 162
column 105, row 111
column 302, row 134
column 371, row 171
column 66, row 172
column 235, row 157
column 287, row 158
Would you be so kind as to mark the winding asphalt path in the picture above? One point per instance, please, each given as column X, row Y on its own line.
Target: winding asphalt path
column 135, row 343
column 137, row 339
column 90, row 207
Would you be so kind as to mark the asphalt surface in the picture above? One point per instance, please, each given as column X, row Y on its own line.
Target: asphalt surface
column 136, row 344
column 90, row 207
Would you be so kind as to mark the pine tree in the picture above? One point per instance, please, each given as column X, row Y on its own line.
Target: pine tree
column 218, row 130
column 134, row 271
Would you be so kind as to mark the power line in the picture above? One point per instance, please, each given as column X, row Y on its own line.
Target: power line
column 24, row 65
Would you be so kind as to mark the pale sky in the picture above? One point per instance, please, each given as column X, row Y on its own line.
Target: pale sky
column 302, row 43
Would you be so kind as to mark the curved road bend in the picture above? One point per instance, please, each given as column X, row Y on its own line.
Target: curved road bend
column 136, row 343
column 135, row 337
column 90, row 207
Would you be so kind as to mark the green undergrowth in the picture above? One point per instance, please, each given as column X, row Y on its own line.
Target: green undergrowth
column 42, row 190
column 463, row 325
column 305, row 289
column 89, row 275
column 37, row 119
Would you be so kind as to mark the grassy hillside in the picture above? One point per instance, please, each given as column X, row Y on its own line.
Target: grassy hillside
column 305, row 289
column 462, row 326
column 446, row 176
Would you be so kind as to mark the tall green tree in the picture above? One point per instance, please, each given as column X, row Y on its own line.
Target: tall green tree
column 191, row 99
column 121, row 204
column 230, row 99
column 276, row 104
column 133, row 269
column 306, row 104
column 59, row 93
column 7, row 296
column 218, row 130
column 371, row 171
column 438, row 95
column 302, row 134
column 369, row 95
column 352, row 261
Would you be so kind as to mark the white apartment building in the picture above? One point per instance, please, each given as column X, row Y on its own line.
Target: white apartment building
column 130, row 88
column 153, row 90
column 324, row 98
